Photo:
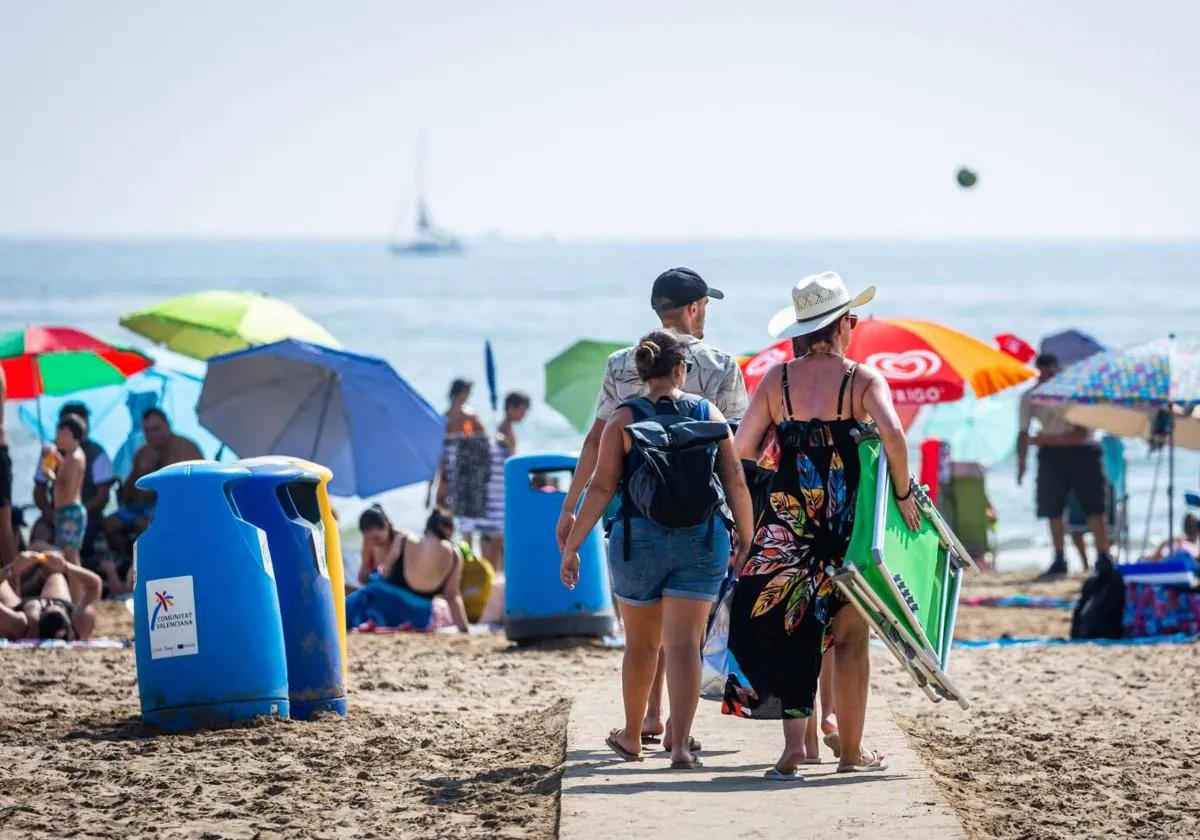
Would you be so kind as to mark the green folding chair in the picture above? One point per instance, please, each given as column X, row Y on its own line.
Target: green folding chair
column 905, row 584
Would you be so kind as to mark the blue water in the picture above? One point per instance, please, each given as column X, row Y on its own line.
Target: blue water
column 430, row 316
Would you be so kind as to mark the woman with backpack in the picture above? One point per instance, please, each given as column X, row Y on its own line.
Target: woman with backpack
column 672, row 456
column 786, row 609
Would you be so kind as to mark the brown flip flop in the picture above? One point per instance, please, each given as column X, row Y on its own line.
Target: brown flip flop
column 623, row 753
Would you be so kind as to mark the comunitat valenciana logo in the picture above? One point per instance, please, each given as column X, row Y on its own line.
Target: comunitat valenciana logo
column 163, row 603
column 906, row 366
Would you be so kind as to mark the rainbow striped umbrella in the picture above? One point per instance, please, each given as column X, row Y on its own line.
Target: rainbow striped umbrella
column 53, row 361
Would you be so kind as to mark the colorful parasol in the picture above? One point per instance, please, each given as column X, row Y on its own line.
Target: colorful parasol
column 53, row 361
column 1160, row 374
column 574, row 377
column 925, row 363
column 214, row 322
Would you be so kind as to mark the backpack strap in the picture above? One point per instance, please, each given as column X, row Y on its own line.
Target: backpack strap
column 641, row 408
column 787, row 396
column 847, row 379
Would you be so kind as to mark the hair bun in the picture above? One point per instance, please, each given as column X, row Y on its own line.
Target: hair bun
column 648, row 352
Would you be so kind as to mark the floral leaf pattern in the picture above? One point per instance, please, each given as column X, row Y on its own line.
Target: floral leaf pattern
column 773, row 593
column 797, row 604
column 787, row 508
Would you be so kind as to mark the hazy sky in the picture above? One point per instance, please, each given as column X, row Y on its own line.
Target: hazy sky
column 616, row 119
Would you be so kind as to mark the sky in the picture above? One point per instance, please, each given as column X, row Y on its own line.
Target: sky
column 601, row 120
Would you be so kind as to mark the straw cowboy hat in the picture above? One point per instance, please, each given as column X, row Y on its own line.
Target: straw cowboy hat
column 817, row 301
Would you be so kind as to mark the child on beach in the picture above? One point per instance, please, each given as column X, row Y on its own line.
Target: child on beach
column 65, row 467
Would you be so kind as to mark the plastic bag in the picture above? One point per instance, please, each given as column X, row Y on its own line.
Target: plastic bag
column 716, row 662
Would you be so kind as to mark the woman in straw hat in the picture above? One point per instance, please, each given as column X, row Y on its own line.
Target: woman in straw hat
column 786, row 609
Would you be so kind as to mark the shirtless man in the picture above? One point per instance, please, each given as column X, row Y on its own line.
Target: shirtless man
column 66, row 607
column 70, row 516
column 162, row 448
column 8, row 541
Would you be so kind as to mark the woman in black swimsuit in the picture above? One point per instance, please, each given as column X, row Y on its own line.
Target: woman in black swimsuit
column 65, row 607
column 786, row 609
column 427, row 566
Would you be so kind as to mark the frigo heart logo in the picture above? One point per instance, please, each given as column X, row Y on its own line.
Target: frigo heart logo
column 906, row 366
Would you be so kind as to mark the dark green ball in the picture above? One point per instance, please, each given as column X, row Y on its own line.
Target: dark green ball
column 966, row 178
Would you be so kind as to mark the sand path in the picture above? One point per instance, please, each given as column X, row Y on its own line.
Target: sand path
column 602, row 797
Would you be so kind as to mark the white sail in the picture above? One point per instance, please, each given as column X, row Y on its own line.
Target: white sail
column 426, row 237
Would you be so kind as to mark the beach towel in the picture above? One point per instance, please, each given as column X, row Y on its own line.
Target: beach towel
column 384, row 604
column 35, row 644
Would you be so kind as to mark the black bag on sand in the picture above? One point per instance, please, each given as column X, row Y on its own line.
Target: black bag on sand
column 1100, row 609
column 674, row 483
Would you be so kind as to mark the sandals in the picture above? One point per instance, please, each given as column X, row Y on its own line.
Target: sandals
column 777, row 775
column 833, row 740
column 624, row 754
column 693, row 745
column 877, row 764
column 694, row 764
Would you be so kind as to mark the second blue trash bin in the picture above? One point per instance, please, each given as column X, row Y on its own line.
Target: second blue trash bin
column 536, row 604
column 282, row 500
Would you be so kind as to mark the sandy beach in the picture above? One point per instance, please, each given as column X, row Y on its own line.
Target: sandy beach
column 454, row 736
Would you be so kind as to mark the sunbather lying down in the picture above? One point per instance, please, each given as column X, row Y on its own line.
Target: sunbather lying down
column 65, row 608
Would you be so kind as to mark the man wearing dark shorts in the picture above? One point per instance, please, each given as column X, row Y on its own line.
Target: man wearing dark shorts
column 1069, row 462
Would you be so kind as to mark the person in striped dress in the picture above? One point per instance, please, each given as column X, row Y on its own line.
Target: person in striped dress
column 504, row 446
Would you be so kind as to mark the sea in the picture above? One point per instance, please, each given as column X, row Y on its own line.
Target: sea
column 430, row 316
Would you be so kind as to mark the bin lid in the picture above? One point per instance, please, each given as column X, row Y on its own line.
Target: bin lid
column 277, row 473
column 318, row 471
column 216, row 473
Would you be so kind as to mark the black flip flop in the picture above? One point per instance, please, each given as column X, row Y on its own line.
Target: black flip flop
column 623, row 753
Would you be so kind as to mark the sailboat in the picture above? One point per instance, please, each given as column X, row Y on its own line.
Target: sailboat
column 427, row 238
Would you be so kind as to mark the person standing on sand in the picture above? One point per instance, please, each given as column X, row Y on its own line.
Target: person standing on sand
column 786, row 610
column 8, row 540
column 66, row 476
column 1069, row 461
column 666, row 578
column 680, row 298
column 516, row 406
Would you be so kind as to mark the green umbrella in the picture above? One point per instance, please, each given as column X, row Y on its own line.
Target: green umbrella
column 573, row 380
column 215, row 322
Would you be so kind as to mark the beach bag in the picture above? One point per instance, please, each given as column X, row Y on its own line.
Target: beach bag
column 472, row 469
column 476, row 587
column 1100, row 609
column 716, row 662
column 674, row 481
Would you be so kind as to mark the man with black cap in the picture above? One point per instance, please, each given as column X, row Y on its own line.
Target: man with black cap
column 1069, row 461
column 680, row 299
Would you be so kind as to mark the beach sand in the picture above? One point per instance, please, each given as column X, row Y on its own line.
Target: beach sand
column 1065, row 742
column 448, row 736
column 452, row 736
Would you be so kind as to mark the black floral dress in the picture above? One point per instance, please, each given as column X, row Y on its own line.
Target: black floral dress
column 784, row 601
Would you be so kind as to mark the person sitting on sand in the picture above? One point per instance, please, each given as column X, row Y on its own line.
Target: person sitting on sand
column 162, row 448
column 1189, row 542
column 666, row 579
column 426, row 566
column 65, row 465
column 65, row 607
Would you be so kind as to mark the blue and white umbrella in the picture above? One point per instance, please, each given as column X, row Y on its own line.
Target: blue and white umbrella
column 350, row 412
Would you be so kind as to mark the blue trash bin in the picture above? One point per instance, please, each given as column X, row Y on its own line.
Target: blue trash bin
column 536, row 604
column 282, row 500
column 207, row 629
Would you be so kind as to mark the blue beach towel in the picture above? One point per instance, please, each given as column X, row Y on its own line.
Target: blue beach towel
column 387, row 605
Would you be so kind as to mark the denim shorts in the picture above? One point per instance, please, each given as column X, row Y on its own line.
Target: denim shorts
column 681, row 563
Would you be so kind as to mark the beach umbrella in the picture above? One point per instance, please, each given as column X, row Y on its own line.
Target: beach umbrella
column 173, row 385
column 1071, row 346
column 574, row 377
column 214, row 322
column 982, row 431
column 350, row 412
column 1017, row 347
column 47, row 361
column 923, row 362
column 1124, row 421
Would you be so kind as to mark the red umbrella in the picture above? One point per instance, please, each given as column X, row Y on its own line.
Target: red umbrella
column 925, row 363
column 62, row 360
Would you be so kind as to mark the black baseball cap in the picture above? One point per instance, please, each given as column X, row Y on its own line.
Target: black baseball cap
column 679, row 287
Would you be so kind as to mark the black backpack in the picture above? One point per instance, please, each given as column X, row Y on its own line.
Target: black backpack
column 672, row 479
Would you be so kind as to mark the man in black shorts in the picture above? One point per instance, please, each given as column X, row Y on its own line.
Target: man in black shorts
column 1069, row 461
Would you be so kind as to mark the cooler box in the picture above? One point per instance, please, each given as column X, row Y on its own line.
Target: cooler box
column 207, row 628
column 536, row 604
column 282, row 500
